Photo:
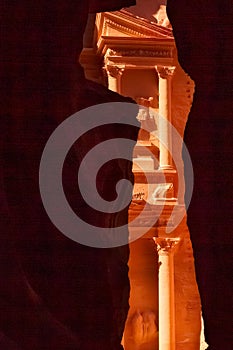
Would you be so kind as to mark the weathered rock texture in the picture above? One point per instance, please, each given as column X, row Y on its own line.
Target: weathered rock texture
column 203, row 33
column 55, row 293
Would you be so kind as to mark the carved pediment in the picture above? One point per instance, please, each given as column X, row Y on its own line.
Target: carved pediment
column 122, row 34
column 125, row 24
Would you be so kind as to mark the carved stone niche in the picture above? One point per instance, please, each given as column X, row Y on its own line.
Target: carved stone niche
column 145, row 152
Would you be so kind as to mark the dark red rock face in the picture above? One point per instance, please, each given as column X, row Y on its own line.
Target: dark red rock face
column 203, row 34
column 55, row 293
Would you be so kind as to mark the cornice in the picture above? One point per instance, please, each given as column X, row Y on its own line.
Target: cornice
column 129, row 46
column 122, row 28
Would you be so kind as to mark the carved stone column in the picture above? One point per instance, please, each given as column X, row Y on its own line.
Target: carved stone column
column 165, row 77
column 114, row 77
column 165, row 248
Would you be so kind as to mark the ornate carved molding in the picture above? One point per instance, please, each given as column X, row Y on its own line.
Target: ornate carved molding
column 114, row 70
column 165, row 72
column 157, row 52
column 122, row 28
column 165, row 245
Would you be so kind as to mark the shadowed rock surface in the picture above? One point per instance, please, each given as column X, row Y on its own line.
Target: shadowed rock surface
column 203, row 34
column 55, row 293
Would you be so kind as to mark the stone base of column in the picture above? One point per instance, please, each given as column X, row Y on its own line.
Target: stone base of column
column 166, row 167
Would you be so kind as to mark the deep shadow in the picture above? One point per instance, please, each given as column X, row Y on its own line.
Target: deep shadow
column 203, row 33
column 55, row 293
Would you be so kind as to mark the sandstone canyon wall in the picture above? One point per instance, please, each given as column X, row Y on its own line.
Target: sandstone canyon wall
column 55, row 293
column 203, row 34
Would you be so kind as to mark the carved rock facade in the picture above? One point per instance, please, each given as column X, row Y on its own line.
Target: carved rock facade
column 138, row 58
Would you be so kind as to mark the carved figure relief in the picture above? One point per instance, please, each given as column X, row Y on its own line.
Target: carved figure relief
column 143, row 327
column 162, row 191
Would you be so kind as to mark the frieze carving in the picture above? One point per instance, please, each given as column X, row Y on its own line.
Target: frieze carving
column 139, row 196
column 166, row 53
column 165, row 72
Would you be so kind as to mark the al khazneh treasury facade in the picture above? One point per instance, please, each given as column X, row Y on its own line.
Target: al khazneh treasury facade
column 136, row 57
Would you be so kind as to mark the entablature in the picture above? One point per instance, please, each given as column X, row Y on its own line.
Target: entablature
column 124, row 38
column 137, row 52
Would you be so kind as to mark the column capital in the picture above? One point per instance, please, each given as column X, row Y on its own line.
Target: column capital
column 145, row 102
column 166, row 245
column 165, row 72
column 115, row 70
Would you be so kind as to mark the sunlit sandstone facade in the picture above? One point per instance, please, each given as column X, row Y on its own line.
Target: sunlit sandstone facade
column 137, row 58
